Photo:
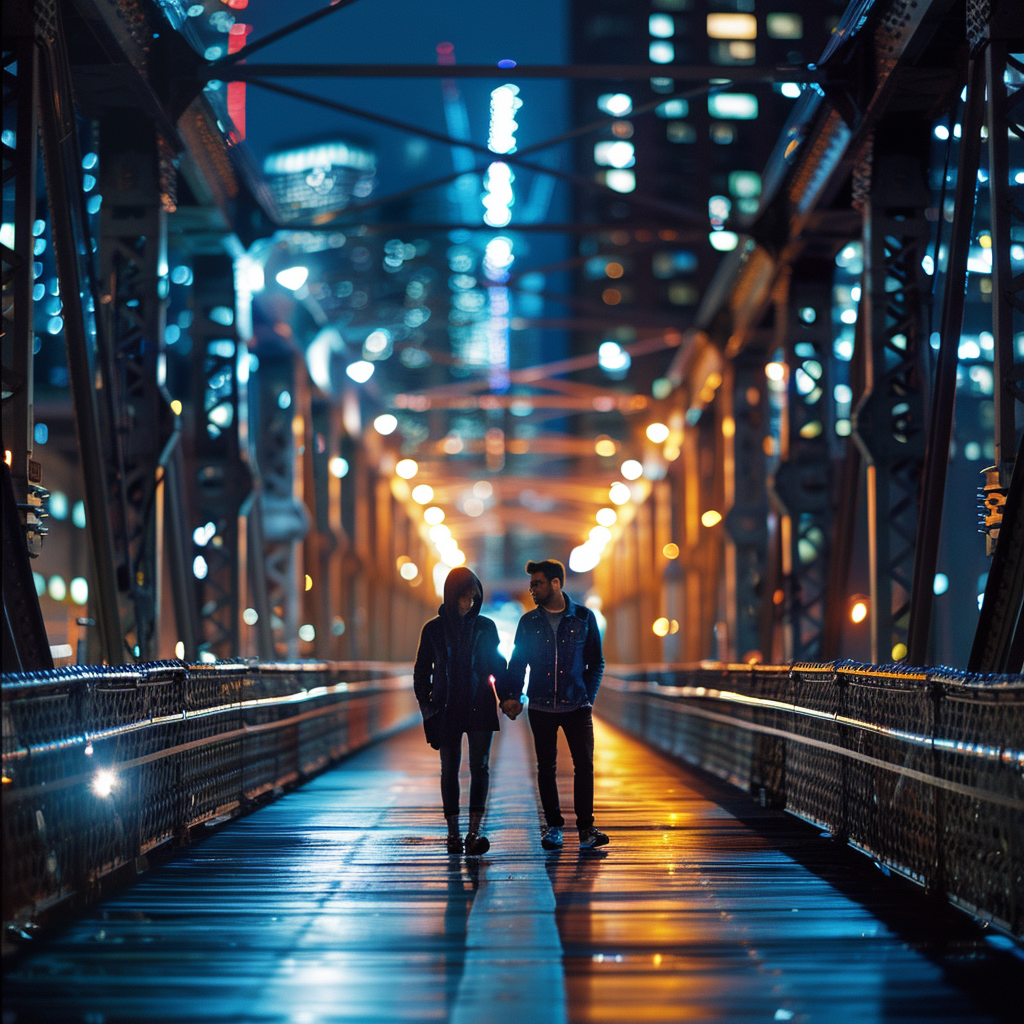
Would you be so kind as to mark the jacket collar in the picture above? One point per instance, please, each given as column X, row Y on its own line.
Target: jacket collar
column 570, row 606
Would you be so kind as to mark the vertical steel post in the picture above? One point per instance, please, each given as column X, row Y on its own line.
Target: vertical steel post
column 802, row 482
column 62, row 164
column 944, row 392
column 133, row 271
column 1004, row 115
column 888, row 421
column 747, row 521
column 220, row 476
column 284, row 521
column 21, row 90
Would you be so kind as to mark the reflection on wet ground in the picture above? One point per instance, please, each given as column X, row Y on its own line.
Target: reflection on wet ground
column 338, row 902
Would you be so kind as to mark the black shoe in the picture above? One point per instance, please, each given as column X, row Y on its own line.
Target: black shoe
column 551, row 838
column 591, row 838
column 476, row 844
column 454, row 842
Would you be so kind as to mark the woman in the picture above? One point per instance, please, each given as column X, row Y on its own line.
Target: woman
column 457, row 665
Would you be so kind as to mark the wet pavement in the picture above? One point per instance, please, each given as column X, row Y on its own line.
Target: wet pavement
column 338, row 902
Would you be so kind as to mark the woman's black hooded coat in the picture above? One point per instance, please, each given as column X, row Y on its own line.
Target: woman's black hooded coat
column 456, row 659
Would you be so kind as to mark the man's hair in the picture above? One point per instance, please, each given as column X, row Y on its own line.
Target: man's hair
column 551, row 567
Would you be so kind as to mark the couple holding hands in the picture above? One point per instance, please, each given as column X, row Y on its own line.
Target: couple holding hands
column 456, row 664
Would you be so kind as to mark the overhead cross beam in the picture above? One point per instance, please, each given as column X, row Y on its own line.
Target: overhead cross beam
column 621, row 72
column 516, row 159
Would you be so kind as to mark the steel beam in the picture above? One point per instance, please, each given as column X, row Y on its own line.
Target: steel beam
column 802, row 482
column 133, row 258
column 612, row 72
column 943, row 397
column 746, row 522
column 889, row 421
column 64, row 190
column 284, row 521
column 220, row 476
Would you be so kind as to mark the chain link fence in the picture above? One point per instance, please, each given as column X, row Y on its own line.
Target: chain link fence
column 101, row 765
column 921, row 769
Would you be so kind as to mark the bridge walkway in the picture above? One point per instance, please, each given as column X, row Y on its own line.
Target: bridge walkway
column 337, row 902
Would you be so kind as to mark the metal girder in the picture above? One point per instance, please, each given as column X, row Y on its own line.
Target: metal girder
column 613, row 72
column 20, row 100
column 220, row 476
column 802, row 482
column 746, row 523
column 133, row 241
column 1005, row 118
column 284, row 521
column 25, row 646
column 889, row 421
column 943, row 396
column 62, row 162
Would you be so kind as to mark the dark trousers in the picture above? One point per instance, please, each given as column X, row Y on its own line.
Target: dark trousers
column 479, row 771
column 578, row 727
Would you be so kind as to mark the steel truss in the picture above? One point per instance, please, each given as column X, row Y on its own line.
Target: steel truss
column 746, row 522
column 999, row 639
column 802, row 482
column 889, row 420
column 220, row 477
column 283, row 518
column 133, row 242
column 25, row 643
column 72, row 247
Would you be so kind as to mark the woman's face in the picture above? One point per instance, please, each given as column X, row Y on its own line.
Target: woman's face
column 466, row 602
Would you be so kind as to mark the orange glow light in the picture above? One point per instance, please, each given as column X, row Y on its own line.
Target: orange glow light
column 611, row 296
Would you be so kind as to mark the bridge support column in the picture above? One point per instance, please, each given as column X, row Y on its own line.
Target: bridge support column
column 801, row 485
column 889, row 421
column 747, row 520
column 220, row 475
column 133, row 286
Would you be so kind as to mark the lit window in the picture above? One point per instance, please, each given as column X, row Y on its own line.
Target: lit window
column 723, row 134
column 620, row 181
column 662, row 85
column 661, row 26
column 682, row 294
column 745, row 184
column 731, row 52
column 614, row 154
column 732, row 26
column 680, row 131
column 734, row 106
column 785, row 26
column 672, row 108
column 662, row 52
column 618, row 104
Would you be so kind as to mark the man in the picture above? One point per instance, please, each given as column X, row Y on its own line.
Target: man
column 560, row 643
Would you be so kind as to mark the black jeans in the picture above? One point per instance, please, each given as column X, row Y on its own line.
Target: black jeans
column 578, row 727
column 479, row 771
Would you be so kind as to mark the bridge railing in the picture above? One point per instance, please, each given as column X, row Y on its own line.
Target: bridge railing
column 101, row 765
column 921, row 769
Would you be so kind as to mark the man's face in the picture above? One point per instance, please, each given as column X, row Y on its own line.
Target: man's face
column 540, row 588
column 466, row 602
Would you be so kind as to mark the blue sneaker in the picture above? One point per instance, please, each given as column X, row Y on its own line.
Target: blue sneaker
column 552, row 838
column 590, row 838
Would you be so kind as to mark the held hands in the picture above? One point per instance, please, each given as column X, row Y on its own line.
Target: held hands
column 512, row 708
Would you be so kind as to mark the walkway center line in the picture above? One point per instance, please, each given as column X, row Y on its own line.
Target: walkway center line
column 513, row 968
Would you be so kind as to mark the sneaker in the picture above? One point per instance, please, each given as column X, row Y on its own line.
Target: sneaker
column 454, row 842
column 476, row 844
column 552, row 838
column 591, row 838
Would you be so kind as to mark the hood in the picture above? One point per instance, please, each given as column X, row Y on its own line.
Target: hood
column 459, row 580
